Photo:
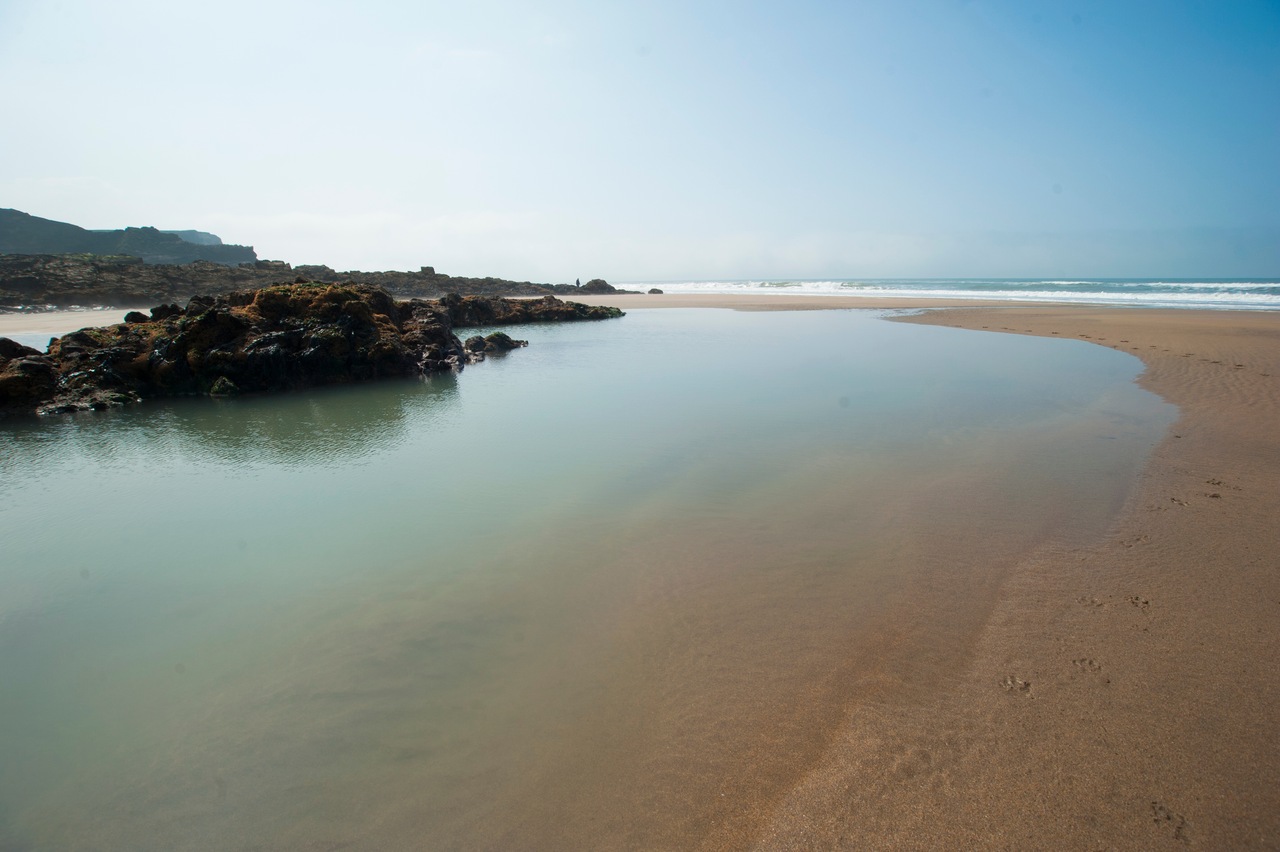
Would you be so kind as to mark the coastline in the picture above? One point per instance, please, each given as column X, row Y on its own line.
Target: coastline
column 1120, row 695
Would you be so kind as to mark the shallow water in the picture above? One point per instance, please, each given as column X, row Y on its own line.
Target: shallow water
column 610, row 591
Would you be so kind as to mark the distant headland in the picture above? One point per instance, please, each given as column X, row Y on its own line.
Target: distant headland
column 22, row 233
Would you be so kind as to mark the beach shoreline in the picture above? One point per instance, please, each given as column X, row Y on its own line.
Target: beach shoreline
column 1121, row 695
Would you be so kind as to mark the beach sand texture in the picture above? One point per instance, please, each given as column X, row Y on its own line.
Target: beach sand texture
column 1120, row 696
column 56, row 322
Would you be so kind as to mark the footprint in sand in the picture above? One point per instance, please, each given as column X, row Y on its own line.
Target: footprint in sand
column 1140, row 603
column 1133, row 542
column 1171, row 820
column 1088, row 601
column 1090, row 666
column 1015, row 684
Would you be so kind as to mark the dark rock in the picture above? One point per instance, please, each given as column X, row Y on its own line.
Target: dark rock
column 136, row 316
column 473, row 311
column 598, row 285
column 13, row 349
column 654, row 291
column 500, row 341
column 477, row 347
column 223, row 386
column 26, row 376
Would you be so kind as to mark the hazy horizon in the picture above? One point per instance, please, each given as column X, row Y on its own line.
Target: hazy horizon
column 662, row 142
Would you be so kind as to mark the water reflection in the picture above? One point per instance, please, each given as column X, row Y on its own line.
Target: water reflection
column 321, row 426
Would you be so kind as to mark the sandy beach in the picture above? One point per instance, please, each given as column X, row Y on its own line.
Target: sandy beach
column 1119, row 696
column 56, row 322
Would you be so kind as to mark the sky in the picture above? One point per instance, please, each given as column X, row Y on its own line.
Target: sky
column 657, row 140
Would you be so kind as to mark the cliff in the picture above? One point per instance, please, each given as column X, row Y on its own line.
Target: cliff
column 22, row 233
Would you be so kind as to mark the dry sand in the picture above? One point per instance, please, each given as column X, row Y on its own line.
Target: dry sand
column 56, row 322
column 1121, row 696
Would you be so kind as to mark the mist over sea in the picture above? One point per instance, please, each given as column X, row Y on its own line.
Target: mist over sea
column 1262, row 294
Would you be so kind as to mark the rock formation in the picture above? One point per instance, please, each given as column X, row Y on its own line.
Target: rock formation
column 274, row 338
column 126, row 282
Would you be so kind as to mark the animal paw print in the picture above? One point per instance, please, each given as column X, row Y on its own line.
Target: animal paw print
column 1176, row 822
column 1014, row 684
column 1086, row 600
column 1087, row 665
column 1140, row 603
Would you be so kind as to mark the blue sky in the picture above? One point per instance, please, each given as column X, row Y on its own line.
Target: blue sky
column 662, row 140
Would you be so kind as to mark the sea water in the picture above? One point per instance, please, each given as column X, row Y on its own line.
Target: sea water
column 1249, row 294
column 609, row 591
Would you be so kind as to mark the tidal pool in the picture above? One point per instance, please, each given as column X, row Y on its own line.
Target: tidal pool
column 613, row 590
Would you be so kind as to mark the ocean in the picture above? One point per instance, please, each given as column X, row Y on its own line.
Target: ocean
column 1255, row 294
column 613, row 590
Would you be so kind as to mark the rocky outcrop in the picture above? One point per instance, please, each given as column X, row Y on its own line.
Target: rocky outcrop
column 498, row 342
column 471, row 311
column 273, row 338
column 27, row 377
column 126, row 282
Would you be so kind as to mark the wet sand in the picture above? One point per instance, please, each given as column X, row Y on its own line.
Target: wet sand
column 1122, row 695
